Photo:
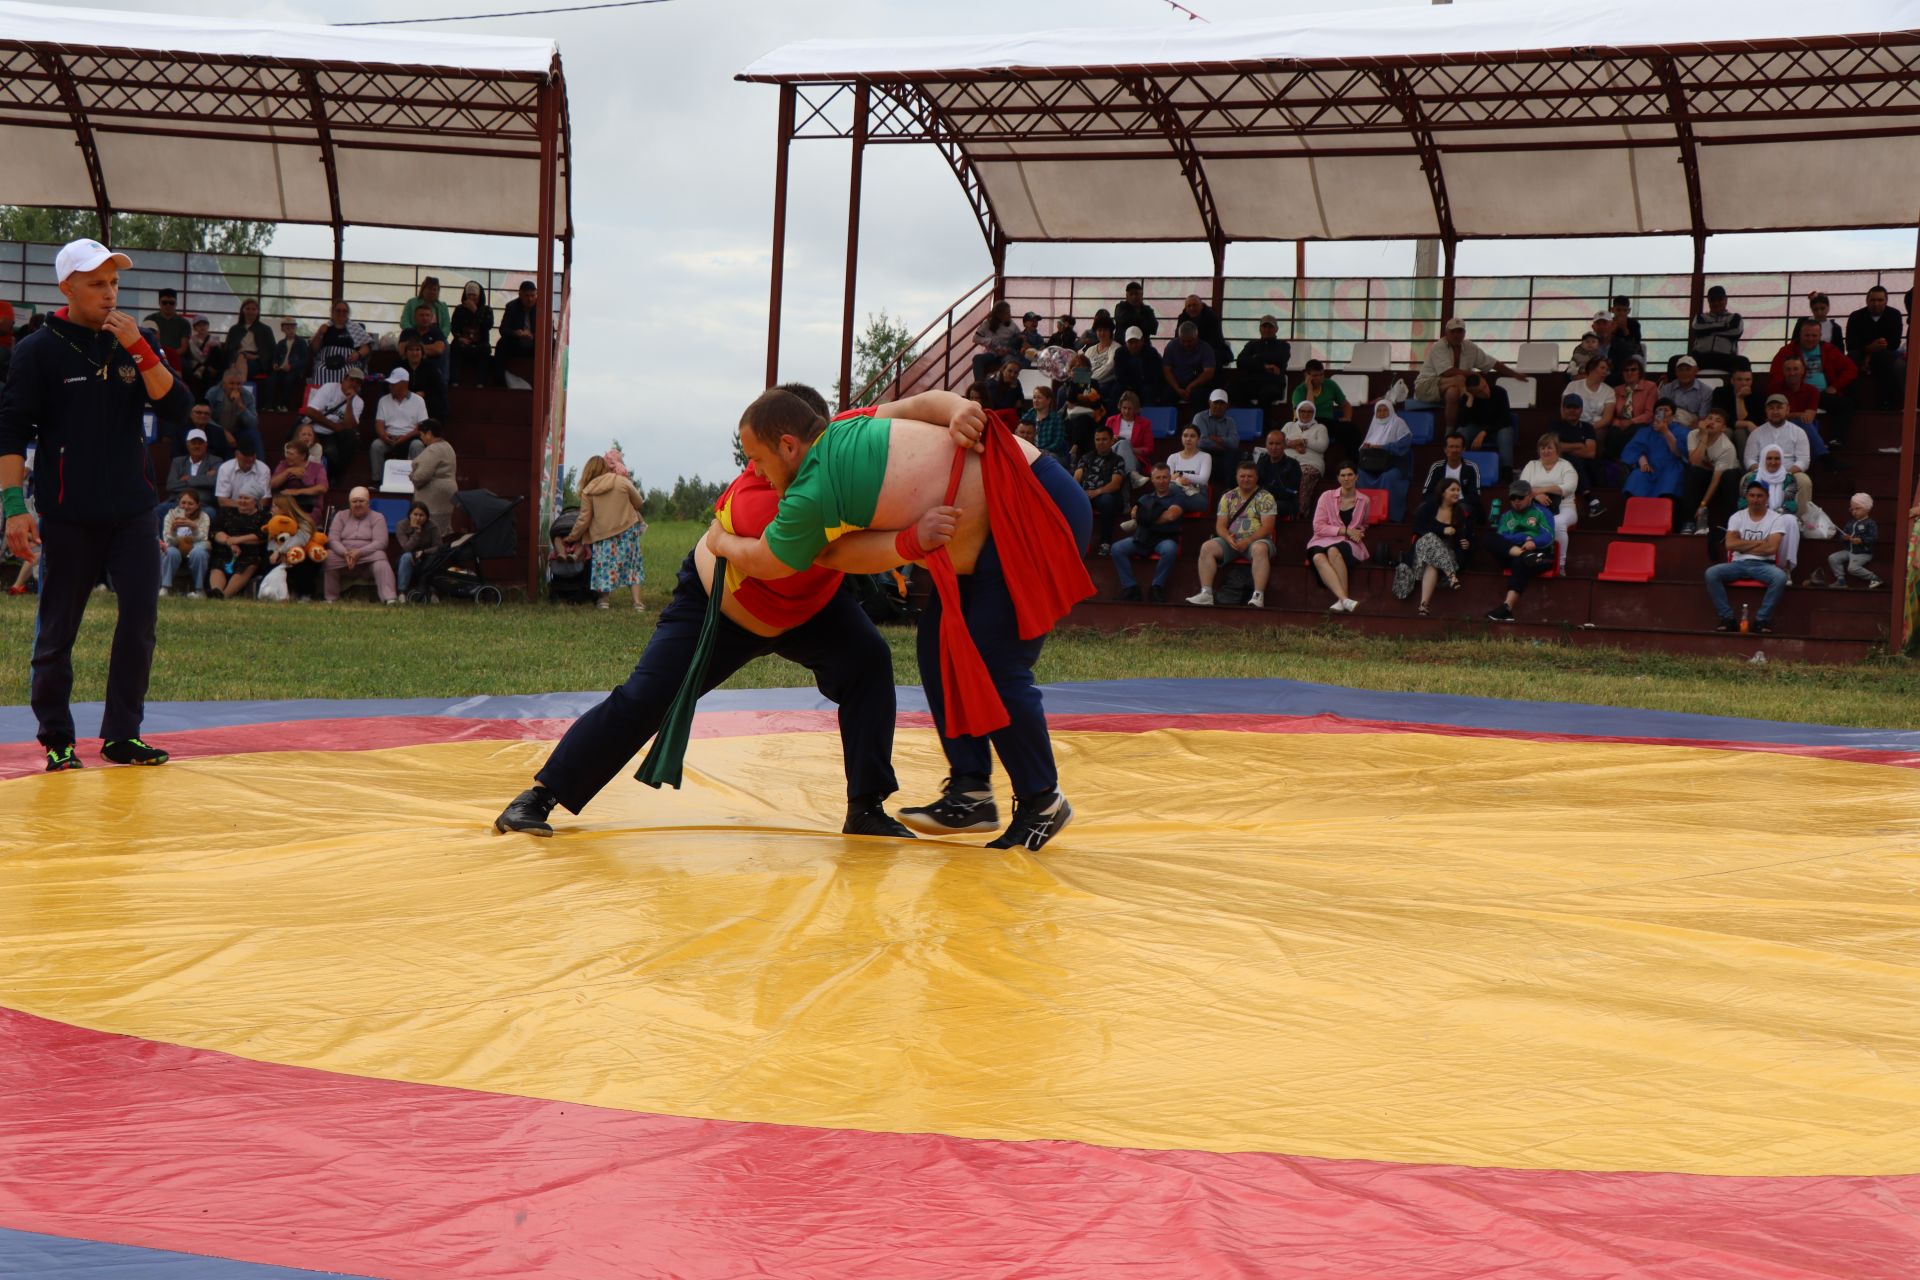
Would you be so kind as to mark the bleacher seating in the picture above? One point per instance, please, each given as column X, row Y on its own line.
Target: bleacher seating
column 1377, row 509
column 1424, row 423
column 1605, row 595
column 1647, row 517
column 1368, row 357
column 1251, row 423
column 1537, row 358
column 1354, row 387
column 1629, row 562
column 1487, row 463
column 1520, row 395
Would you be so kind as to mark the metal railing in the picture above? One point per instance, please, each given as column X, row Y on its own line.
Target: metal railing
column 1324, row 317
column 915, row 367
column 214, row 285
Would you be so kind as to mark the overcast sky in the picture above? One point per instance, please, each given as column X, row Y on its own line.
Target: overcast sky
column 673, row 165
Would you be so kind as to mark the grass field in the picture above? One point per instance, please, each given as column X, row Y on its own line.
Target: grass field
column 245, row 649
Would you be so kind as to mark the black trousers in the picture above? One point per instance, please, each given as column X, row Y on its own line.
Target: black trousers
column 840, row 645
column 1023, row 745
column 73, row 558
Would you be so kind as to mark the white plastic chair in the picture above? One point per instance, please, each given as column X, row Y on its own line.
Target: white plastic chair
column 1538, row 357
column 1369, row 357
column 1520, row 395
column 1031, row 378
column 1354, row 386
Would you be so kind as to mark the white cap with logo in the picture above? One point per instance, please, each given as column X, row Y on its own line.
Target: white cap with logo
column 85, row 255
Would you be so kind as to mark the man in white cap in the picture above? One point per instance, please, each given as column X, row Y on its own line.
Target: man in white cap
column 196, row 469
column 1137, row 367
column 1219, row 436
column 1442, row 379
column 79, row 387
column 396, row 423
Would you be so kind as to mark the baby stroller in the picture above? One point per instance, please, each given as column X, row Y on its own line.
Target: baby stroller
column 453, row 572
column 568, row 578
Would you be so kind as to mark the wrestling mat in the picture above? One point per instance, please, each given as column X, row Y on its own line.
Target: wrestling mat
column 1319, row 983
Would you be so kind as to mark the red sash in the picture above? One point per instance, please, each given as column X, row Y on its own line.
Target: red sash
column 1044, row 572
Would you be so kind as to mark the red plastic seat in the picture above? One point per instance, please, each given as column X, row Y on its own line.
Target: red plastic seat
column 1379, row 506
column 1629, row 562
column 1648, row 517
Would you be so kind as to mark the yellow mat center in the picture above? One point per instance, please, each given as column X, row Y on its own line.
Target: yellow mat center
column 1410, row 947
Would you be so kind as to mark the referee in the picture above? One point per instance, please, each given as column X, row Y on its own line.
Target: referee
column 79, row 386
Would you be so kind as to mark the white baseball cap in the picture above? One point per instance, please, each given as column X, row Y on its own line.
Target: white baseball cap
column 1133, row 331
column 398, row 375
column 1218, row 397
column 85, row 255
column 196, row 434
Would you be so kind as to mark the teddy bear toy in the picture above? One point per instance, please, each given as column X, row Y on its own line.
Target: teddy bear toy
column 286, row 539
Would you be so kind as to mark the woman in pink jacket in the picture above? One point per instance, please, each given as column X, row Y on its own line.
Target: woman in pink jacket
column 1339, row 538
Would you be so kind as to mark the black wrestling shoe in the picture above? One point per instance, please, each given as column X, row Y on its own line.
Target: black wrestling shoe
column 966, row 804
column 528, row 813
column 61, row 759
column 1036, row 820
column 132, row 751
column 870, row 818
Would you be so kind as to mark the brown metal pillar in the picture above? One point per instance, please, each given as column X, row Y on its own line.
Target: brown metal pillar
column 782, row 145
column 323, row 134
column 1450, row 247
column 999, row 251
column 1219, row 279
column 1697, row 290
column 543, row 332
column 1904, row 497
column 862, row 96
column 62, row 76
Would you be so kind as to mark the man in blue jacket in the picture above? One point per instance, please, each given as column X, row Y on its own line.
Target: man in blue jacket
column 80, row 386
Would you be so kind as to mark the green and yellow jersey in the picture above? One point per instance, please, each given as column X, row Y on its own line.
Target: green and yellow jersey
column 835, row 492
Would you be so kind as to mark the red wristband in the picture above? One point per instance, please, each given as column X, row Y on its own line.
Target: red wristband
column 907, row 543
column 143, row 355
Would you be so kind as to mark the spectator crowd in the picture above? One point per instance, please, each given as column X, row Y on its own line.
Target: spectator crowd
column 1698, row 432
column 223, row 485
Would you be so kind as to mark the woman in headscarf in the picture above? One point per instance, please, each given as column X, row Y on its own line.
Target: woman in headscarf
column 1307, row 442
column 1385, row 453
column 1783, row 495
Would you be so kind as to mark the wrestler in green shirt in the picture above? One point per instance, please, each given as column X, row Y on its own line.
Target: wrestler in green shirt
column 834, row 492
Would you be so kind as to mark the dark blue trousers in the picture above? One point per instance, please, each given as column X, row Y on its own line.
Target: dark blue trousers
column 74, row 557
column 840, row 645
column 1023, row 746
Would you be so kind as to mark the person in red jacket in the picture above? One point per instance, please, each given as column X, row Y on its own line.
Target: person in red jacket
column 1829, row 370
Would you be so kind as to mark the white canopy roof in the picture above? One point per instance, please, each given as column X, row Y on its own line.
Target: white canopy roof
column 218, row 118
column 1613, row 117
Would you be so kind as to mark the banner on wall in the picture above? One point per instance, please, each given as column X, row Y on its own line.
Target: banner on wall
column 555, row 449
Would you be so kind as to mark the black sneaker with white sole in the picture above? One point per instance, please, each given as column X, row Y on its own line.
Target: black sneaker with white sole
column 870, row 818
column 1036, row 820
column 966, row 804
